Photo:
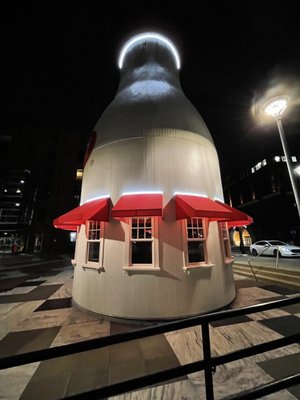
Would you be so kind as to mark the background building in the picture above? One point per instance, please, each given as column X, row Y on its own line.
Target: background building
column 41, row 172
column 264, row 191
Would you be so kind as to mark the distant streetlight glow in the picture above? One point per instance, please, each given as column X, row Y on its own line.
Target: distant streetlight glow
column 275, row 108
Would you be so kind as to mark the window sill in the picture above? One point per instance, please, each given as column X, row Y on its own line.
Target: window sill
column 229, row 260
column 191, row 267
column 142, row 268
column 96, row 267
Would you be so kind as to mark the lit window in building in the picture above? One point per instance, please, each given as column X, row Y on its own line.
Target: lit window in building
column 252, row 170
column 196, row 240
column 73, row 236
column 79, row 174
column 93, row 242
column 283, row 158
column 294, row 158
column 225, row 239
column 22, row 181
column 277, row 159
column 258, row 166
column 264, row 162
column 141, row 241
column 253, row 194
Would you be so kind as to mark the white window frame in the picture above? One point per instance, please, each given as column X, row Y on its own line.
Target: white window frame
column 95, row 264
column 187, row 263
column 224, row 236
column 128, row 265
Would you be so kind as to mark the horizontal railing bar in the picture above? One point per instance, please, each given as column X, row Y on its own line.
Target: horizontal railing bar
column 254, row 350
column 137, row 383
column 60, row 351
column 268, row 388
column 140, row 382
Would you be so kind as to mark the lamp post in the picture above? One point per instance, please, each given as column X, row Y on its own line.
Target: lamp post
column 276, row 107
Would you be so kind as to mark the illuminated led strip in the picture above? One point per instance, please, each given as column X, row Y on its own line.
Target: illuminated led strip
column 219, row 199
column 148, row 35
column 97, row 198
column 190, row 194
column 130, row 193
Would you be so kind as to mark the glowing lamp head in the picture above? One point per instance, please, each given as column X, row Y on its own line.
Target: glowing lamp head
column 148, row 36
column 276, row 106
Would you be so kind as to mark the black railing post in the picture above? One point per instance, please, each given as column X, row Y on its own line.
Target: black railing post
column 209, row 388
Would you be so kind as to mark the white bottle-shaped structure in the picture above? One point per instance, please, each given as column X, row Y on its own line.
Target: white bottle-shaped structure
column 151, row 146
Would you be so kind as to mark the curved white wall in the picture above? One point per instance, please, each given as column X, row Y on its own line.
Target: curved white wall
column 169, row 161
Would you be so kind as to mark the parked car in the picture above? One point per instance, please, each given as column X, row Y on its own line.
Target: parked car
column 271, row 247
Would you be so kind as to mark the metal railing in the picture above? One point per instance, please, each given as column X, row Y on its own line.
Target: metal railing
column 208, row 364
column 259, row 255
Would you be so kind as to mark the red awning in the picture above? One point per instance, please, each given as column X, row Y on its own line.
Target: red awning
column 189, row 206
column 138, row 205
column 96, row 210
column 237, row 217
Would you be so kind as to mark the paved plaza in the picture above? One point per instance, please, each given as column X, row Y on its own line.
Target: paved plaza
column 36, row 312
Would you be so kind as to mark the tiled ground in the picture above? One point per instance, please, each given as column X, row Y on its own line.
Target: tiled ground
column 36, row 312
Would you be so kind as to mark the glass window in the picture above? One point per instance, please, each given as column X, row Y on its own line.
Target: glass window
column 93, row 242
column 225, row 239
column 141, row 241
column 196, row 240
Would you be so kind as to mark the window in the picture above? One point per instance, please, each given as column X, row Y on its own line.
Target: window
column 196, row 241
column 94, row 247
column 225, row 240
column 79, row 174
column 141, row 241
column 141, row 245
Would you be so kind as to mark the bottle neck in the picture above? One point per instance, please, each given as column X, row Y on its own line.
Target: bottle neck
column 151, row 78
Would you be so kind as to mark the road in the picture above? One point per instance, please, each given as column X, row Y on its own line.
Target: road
column 292, row 264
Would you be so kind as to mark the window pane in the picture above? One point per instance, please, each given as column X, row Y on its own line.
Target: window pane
column 141, row 233
column 196, row 251
column 200, row 233
column 190, row 233
column 134, row 233
column 141, row 252
column 188, row 223
column 141, row 222
column 94, row 249
column 134, row 222
column 148, row 233
column 148, row 222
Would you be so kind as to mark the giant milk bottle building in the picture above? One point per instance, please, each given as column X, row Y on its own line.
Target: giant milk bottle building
column 152, row 237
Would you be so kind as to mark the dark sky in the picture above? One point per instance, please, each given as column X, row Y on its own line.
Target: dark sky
column 59, row 65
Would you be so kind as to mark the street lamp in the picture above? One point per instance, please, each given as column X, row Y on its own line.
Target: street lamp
column 276, row 107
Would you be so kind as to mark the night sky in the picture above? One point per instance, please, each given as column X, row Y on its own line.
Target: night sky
column 59, row 66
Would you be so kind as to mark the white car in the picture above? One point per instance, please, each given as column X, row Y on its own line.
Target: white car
column 271, row 247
